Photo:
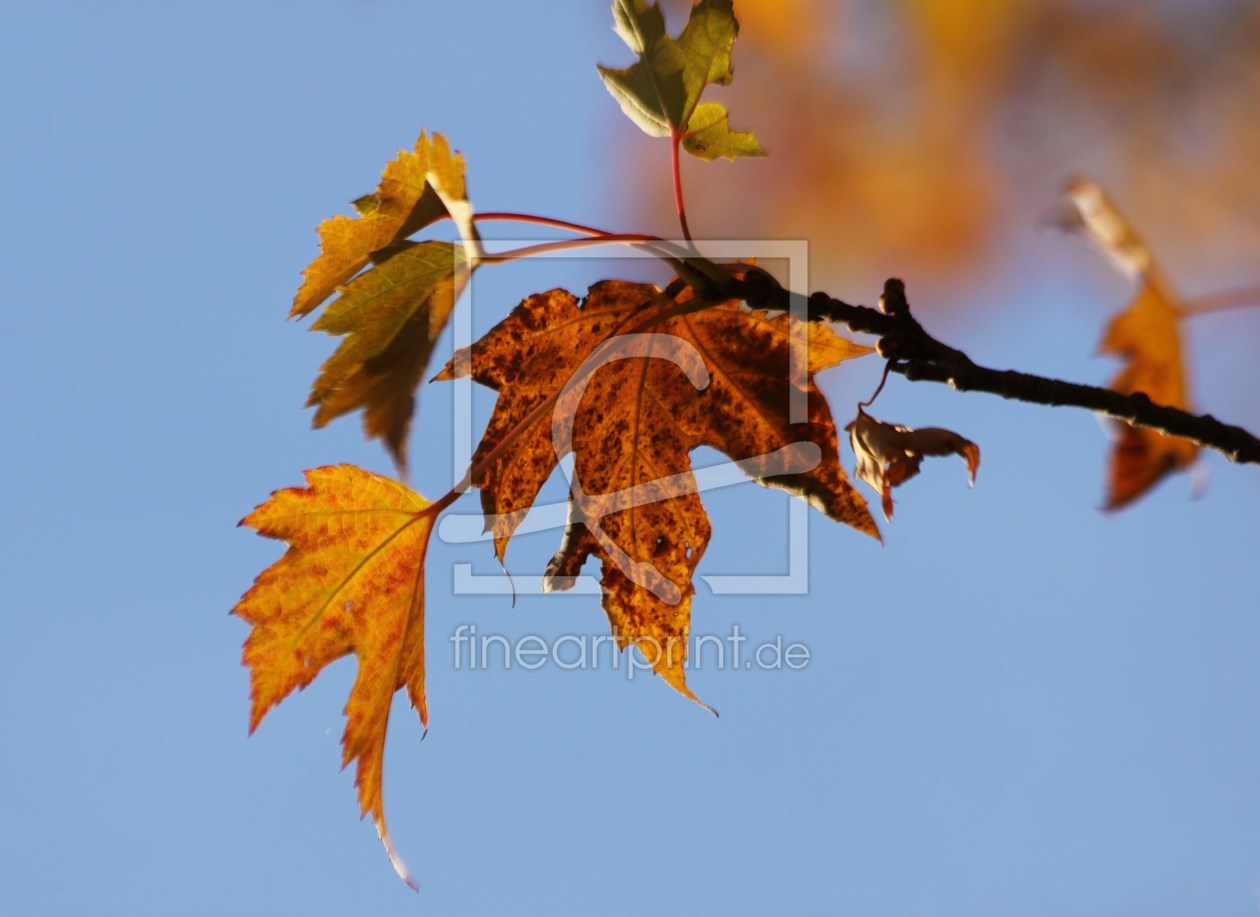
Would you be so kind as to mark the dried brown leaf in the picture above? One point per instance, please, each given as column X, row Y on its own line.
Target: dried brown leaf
column 888, row 455
column 656, row 384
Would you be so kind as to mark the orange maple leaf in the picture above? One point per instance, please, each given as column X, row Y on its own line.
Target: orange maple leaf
column 352, row 581
column 1146, row 336
column 631, row 381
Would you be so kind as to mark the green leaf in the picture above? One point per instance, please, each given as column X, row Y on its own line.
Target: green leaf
column 639, row 25
column 661, row 92
column 709, row 136
column 706, row 43
column 391, row 316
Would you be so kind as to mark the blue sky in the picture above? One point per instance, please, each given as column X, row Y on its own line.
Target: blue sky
column 1017, row 706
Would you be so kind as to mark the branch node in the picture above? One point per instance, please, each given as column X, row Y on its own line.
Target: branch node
column 759, row 288
column 893, row 300
column 891, row 347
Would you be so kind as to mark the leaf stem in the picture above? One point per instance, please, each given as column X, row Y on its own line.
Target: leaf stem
column 675, row 139
column 507, row 216
column 664, row 250
column 561, row 245
column 678, row 258
column 879, row 388
column 1220, row 302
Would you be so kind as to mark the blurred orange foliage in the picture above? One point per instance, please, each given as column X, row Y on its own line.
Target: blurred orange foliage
column 910, row 137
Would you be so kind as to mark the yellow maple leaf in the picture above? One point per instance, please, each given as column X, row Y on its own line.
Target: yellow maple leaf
column 412, row 193
column 352, row 581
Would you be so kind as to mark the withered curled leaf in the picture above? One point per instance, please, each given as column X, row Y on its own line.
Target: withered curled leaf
column 889, row 454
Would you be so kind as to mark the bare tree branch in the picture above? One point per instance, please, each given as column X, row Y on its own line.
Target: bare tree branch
column 918, row 356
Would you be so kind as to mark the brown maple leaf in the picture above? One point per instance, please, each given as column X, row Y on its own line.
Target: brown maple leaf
column 1146, row 336
column 631, row 381
column 888, row 455
column 352, row 581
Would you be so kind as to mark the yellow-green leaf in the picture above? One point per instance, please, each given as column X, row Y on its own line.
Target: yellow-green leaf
column 391, row 316
column 660, row 93
column 709, row 135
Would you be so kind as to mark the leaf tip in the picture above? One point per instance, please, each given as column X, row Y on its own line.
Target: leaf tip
column 676, row 677
column 971, row 453
column 255, row 715
column 395, row 858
